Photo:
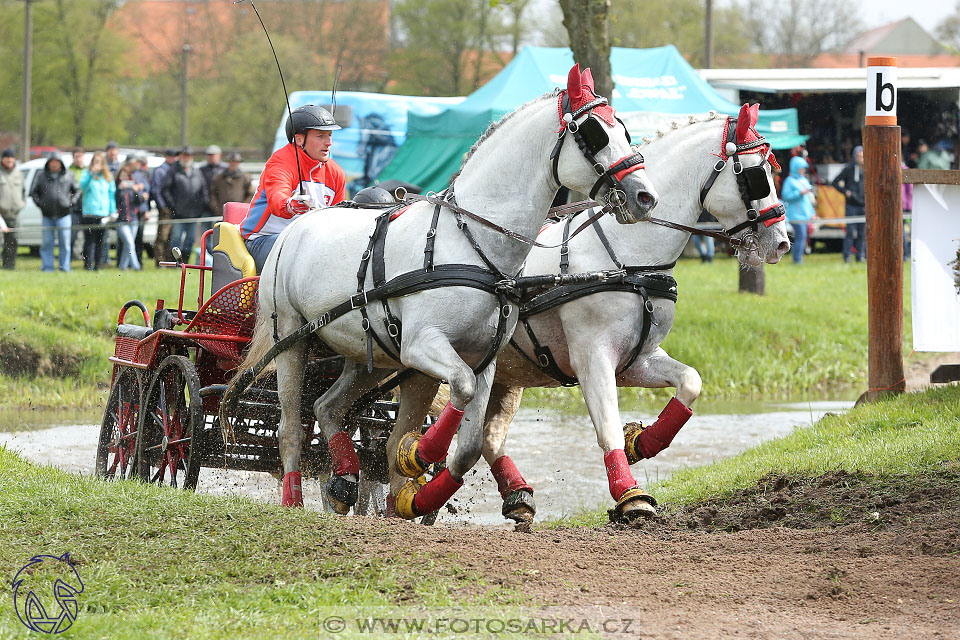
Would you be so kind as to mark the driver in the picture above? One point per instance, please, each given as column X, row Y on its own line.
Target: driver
column 277, row 199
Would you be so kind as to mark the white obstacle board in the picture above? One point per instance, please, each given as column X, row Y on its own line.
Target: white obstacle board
column 936, row 236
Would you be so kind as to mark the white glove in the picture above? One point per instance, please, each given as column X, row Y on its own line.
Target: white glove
column 300, row 204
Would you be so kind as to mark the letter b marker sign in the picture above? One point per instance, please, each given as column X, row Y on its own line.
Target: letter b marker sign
column 881, row 91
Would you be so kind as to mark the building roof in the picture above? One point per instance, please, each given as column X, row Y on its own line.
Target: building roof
column 901, row 37
column 818, row 80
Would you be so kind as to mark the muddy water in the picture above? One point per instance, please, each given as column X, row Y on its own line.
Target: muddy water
column 556, row 452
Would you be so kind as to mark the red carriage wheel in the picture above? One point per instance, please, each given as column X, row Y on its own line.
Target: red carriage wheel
column 171, row 418
column 118, row 432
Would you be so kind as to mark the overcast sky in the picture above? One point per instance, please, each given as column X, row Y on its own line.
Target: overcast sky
column 928, row 13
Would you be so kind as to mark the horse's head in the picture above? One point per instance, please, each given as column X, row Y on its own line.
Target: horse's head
column 602, row 164
column 740, row 192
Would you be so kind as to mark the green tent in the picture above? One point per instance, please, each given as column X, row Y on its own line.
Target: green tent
column 652, row 86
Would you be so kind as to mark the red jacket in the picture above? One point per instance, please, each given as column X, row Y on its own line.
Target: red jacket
column 268, row 215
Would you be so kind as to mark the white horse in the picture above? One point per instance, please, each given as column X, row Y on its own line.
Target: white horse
column 510, row 178
column 596, row 339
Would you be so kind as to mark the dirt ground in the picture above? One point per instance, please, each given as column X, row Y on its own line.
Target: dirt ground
column 837, row 557
column 840, row 556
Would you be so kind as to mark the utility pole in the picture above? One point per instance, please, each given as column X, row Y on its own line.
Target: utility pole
column 27, row 70
column 183, row 75
column 708, row 36
column 183, row 96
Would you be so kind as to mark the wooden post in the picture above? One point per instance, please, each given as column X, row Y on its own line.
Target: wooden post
column 884, row 230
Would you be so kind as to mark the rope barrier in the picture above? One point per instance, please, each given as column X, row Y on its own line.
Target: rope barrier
column 114, row 225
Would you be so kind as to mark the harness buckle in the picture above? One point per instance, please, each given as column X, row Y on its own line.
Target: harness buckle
column 720, row 165
column 543, row 360
column 564, row 249
column 506, row 310
column 365, row 255
column 573, row 126
column 393, row 330
column 358, row 300
column 737, row 166
column 599, row 168
column 648, row 305
column 431, row 233
column 365, row 324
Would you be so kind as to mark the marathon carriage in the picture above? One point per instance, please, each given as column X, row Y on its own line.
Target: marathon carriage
column 162, row 424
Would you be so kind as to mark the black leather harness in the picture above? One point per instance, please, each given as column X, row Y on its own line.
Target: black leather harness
column 640, row 279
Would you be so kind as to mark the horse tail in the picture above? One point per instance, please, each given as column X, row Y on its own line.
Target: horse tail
column 260, row 343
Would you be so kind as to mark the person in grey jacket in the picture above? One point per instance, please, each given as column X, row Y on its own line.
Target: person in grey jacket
column 55, row 191
column 161, row 244
column 11, row 202
column 185, row 192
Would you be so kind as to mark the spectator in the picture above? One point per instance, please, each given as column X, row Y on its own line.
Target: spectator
column 11, row 202
column 849, row 182
column 128, row 206
column 161, row 246
column 185, row 193
column 113, row 164
column 76, row 168
column 142, row 178
column 909, row 158
column 113, row 157
column 800, row 202
column 704, row 244
column 99, row 204
column 55, row 191
column 934, row 158
column 232, row 185
column 210, row 170
column 906, row 198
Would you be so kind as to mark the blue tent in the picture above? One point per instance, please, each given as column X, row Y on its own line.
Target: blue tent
column 652, row 86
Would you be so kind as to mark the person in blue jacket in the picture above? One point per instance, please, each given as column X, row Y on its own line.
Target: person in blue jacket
column 800, row 201
column 99, row 203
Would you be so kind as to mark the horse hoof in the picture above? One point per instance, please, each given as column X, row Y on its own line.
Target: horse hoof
column 631, row 432
column 519, row 506
column 404, row 500
column 633, row 505
column 343, row 494
column 408, row 464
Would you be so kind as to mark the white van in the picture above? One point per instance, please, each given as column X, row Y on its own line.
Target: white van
column 31, row 218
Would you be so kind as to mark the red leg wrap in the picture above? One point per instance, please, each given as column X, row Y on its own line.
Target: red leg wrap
column 435, row 443
column 508, row 477
column 435, row 493
column 292, row 496
column 618, row 472
column 343, row 455
column 391, row 507
column 659, row 435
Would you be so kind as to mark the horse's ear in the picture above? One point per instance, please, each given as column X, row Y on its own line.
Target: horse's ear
column 744, row 123
column 587, row 80
column 573, row 85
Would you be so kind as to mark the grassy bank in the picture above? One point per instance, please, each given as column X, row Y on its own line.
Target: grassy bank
column 912, row 435
column 807, row 335
column 162, row 563
column 57, row 329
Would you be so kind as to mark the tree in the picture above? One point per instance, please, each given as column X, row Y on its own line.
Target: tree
column 444, row 46
column 794, row 32
column 587, row 23
column 76, row 63
column 680, row 23
column 949, row 29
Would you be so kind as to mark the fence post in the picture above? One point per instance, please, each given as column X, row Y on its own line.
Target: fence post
column 884, row 230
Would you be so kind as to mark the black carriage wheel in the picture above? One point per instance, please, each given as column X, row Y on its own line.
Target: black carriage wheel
column 118, row 431
column 172, row 415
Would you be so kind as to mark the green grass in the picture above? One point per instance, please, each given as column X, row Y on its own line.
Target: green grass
column 808, row 334
column 57, row 330
column 161, row 563
column 907, row 434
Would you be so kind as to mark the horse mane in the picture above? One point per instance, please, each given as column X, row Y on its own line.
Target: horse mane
column 492, row 128
column 677, row 124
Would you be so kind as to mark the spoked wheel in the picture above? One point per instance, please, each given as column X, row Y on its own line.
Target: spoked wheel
column 118, row 432
column 172, row 415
